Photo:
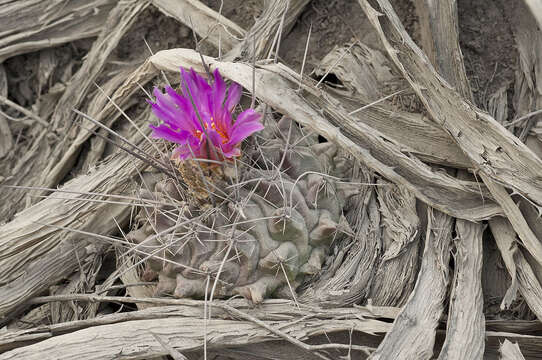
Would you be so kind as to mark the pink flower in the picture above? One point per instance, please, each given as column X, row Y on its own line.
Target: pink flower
column 183, row 127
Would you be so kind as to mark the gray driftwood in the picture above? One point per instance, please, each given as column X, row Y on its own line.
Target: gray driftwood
column 510, row 351
column 413, row 333
column 31, row 25
column 211, row 26
column 492, row 149
column 35, row 253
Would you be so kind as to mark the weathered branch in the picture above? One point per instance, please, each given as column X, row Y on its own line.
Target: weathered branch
column 207, row 23
column 510, row 351
column 276, row 20
column 413, row 333
column 519, row 269
column 30, row 25
column 492, row 149
column 131, row 334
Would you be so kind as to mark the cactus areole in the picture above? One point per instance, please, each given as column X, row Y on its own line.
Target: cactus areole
column 257, row 225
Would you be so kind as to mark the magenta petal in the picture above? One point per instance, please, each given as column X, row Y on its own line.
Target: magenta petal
column 167, row 117
column 165, row 132
column 234, row 95
column 246, row 124
column 233, row 152
column 217, row 99
column 242, row 132
column 199, row 90
column 249, row 115
column 216, row 139
column 198, row 101
column 219, row 89
column 186, row 108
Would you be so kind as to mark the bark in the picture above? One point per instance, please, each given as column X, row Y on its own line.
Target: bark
column 492, row 149
column 211, row 26
column 510, row 351
column 35, row 253
column 276, row 20
column 413, row 333
column 31, row 25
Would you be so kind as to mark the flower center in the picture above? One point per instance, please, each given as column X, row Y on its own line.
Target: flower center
column 214, row 127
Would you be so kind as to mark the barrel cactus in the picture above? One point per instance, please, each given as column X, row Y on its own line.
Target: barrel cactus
column 253, row 223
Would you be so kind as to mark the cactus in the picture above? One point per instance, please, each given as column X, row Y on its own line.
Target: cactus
column 271, row 224
column 255, row 226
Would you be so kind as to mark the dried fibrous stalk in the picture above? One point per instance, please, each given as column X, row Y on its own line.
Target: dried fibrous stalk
column 536, row 10
column 348, row 278
column 466, row 324
column 414, row 330
column 463, row 199
column 491, row 148
column 44, row 164
column 181, row 325
column 396, row 274
column 276, row 20
column 131, row 334
column 270, row 225
column 523, row 277
column 37, row 249
column 528, row 100
column 207, row 23
column 441, row 42
column 510, row 351
column 31, row 25
column 366, row 76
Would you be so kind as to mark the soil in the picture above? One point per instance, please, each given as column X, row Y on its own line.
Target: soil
column 488, row 46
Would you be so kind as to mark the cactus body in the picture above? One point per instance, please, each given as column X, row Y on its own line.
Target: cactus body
column 270, row 223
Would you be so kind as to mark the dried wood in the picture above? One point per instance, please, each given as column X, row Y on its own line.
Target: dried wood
column 129, row 275
column 44, row 164
column 441, row 41
column 34, row 254
column 6, row 140
column 31, row 25
column 364, row 72
column 131, row 334
column 396, row 273
column 523, row 277
column 528, row 99
column 465, row 328
column 414, row 330
column 536, row 10
column 347, row 280
column 492, row 149
column 498, row 155
column 439, row 38
column 83, row 281
column 276, row 20
column 208, row 24
column 510, row 351
column 457, row 198
column 118, row 22
column 182, row 326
